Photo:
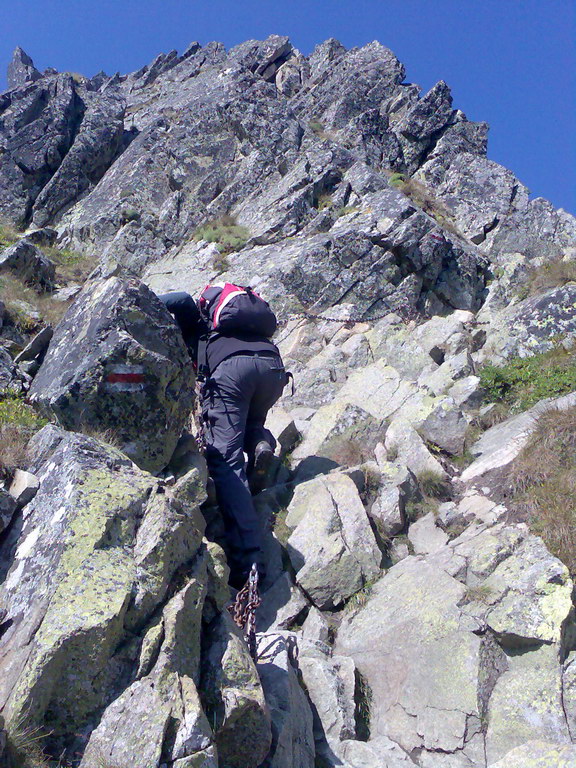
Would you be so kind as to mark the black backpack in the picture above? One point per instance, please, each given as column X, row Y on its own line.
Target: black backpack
column 228, row 309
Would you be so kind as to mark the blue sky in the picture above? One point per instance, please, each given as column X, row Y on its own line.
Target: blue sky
column 511, row 63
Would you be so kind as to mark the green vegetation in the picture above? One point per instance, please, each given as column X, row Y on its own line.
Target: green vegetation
column 224, row 231
column 551, row 275
column 523, row 381
column 360, row 598
column 220, row 263
column 71, row 266
column 18, row 422
column 24, row 747
column 417, row 509
column 397, row 180
column 128, row 215
column 281, row 530
column 543, row 480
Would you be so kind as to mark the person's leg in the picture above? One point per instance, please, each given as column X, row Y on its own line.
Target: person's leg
column 259, row 442
column 226, row 404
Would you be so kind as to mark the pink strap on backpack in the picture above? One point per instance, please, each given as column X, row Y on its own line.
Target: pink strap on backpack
column 228, row 292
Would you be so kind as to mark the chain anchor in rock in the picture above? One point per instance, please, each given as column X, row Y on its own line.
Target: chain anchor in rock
column 243, row 610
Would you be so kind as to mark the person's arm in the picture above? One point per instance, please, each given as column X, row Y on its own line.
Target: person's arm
column 184, row 310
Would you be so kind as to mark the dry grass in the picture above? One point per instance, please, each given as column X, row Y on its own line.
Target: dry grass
column 109, row 436
column 543, row 480
column 495, row 415
column 13, row 290
column 417, row 509
column 24, row 747
column 434, row 485
column 71, row 266
column 324, row 201
column 348, row 451
column 426, row 200
column 482, row 593
column 9, row 234
column 551, row 275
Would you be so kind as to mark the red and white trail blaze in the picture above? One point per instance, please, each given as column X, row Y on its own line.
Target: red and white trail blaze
column 125, row 378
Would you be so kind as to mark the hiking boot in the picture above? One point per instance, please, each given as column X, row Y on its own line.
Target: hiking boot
column 263, row 458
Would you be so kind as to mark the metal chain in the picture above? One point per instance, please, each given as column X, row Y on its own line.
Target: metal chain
column 243, row 610
column 360, row 319
column 198, row 420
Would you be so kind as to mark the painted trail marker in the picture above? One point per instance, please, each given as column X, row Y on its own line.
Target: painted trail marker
column 125, row 378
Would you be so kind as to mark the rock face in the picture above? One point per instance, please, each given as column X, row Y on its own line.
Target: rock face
column 118, row 362
column 21, row 69
column 29, row 263
column 332, row 547
column 409, row 616
column 87, row 571
column 445, row 674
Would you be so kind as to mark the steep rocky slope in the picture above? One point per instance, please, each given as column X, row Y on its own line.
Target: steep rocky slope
column 409, row 616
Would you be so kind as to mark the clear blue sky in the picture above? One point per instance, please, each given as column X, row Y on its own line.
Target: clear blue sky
column 509, row 62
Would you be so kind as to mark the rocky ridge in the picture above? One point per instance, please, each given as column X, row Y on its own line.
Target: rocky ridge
column 396, row 254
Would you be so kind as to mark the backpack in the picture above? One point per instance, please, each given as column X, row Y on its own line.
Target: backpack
column 228, row 309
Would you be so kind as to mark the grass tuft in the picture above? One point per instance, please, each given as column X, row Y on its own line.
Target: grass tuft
column 347, row 209
column 543, row 481
column 71, row 266
column 426, row 200
column 9, row 234
column 360, row 598
column 363, row 702
column 24, row 747
column 18, row 422
column 478, row 594
column 416, row 509
column 324, row 201
column 551, row 275
column 14, row 291
column 434, row 485
column 225, row 232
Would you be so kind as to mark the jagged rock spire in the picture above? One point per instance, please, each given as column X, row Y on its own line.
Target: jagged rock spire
column 21, row 69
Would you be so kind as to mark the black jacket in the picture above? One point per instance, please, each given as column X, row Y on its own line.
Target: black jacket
column 208, row 348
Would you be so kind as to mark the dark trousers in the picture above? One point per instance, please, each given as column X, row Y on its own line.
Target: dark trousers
column 235, row 402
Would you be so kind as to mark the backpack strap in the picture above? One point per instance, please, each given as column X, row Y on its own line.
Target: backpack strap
column 203, row 371
column 226, row 295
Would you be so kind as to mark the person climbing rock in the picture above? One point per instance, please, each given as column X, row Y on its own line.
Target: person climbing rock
column 227, row 332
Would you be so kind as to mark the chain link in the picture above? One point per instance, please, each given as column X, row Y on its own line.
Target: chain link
column 198, row 418
column 243, row 610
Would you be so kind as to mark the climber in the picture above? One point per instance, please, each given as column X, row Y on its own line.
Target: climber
column 227, row 332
